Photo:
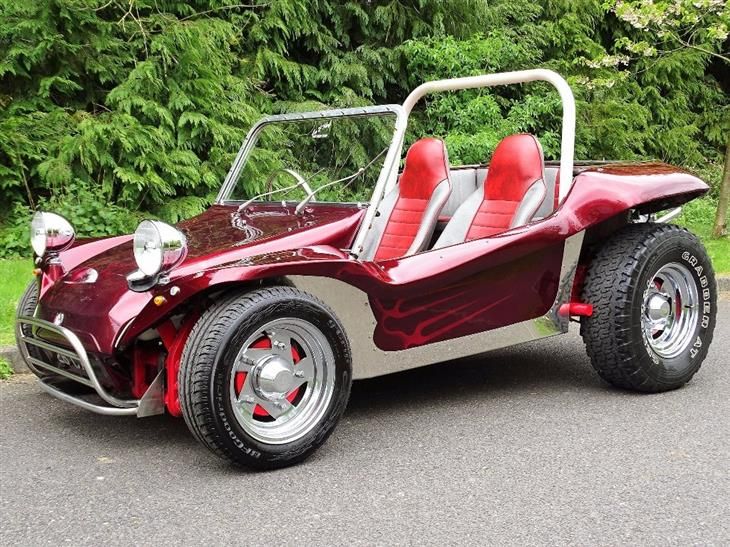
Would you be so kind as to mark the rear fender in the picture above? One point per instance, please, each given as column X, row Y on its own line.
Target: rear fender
column 605, row 199
column 603, row 193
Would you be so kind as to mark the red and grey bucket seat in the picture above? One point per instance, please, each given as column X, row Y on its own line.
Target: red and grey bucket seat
column 408, row 215
column 513, row 191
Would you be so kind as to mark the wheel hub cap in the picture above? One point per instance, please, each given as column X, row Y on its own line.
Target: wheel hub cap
column 659, row 307
column 670, row 310
column 274, row 378
column 282, row 380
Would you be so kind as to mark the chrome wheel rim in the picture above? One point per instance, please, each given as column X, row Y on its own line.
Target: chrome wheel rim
column 282, row 381
column 670, row 310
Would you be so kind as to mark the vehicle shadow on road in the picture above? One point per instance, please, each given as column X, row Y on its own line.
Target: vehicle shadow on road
column 127, row 432
column 543, row 366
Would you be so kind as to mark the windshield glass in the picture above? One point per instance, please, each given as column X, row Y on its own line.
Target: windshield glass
column 339, row 158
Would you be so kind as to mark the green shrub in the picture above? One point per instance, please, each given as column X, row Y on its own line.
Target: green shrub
column 699, row 212
column 110, row 114
column 88, row 211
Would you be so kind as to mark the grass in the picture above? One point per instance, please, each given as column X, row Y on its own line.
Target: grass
column 718, row 249
column 15, row 274
column 698, row 216
column 5, row 370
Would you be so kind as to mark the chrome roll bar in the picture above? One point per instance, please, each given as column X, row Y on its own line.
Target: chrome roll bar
column 389, row 174
column 567, row 144
column 567, row 141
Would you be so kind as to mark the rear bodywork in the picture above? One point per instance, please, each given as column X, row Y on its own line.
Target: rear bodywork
column 470, row 298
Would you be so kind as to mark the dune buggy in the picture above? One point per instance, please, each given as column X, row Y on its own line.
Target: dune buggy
column 252, row 319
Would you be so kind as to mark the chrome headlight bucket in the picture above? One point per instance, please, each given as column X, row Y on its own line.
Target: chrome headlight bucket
column 50, row 232
column 158, row 247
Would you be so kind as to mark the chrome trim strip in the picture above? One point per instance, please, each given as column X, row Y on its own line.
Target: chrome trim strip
column 50, row 347
column 78, row 354
column 671, row 215
column 61, row 372
column 98, row 409
column 352, row 307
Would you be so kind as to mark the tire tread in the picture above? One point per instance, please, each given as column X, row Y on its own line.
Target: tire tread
column 198, row 360
column 611, row 280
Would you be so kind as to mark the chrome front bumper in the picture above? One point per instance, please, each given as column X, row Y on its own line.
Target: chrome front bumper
column 151, row 402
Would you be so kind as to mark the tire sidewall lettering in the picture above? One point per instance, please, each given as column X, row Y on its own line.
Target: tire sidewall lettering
column 705, row 303
column 226, row 357
column 620, row 279
column 699, row 273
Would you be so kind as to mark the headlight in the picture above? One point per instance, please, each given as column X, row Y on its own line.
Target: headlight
column 49, row 231
column 158, row 246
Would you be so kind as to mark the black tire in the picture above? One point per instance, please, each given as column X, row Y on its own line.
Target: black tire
column 616, row 280
column 26, row 307
column 206, row 367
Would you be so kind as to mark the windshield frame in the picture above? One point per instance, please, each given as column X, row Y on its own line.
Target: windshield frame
column 391, row 161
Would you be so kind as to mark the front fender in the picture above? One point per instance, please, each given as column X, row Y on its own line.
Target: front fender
column 84, row 249
column 322, row 260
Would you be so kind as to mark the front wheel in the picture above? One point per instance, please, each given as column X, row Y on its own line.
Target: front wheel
column 654, row 298
column 265, row 376
column 26, row 308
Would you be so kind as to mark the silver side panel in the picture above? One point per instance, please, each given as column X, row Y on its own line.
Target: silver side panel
column 353, row 309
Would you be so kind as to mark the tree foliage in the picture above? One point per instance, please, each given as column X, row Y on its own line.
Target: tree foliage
column 667, row 26
column 672, row 28
column 137, row 107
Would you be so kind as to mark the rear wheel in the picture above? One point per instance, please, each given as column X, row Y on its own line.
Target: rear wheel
column 654, row 297
column 265, row 377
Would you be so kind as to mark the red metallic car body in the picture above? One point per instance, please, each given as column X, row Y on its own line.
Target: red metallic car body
column 520, row 284
column 312, row 244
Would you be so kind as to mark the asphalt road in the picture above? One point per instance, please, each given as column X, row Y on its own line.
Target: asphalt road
column 522, row 446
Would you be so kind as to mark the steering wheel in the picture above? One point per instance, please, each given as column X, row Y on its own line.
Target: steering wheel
column 296, row 176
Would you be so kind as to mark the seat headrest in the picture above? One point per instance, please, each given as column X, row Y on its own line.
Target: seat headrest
column 426, row 165
column 517, row 162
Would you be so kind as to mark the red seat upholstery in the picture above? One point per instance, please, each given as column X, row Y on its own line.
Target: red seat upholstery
column 513, row 190
column 408, row 215
column 516, row 165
